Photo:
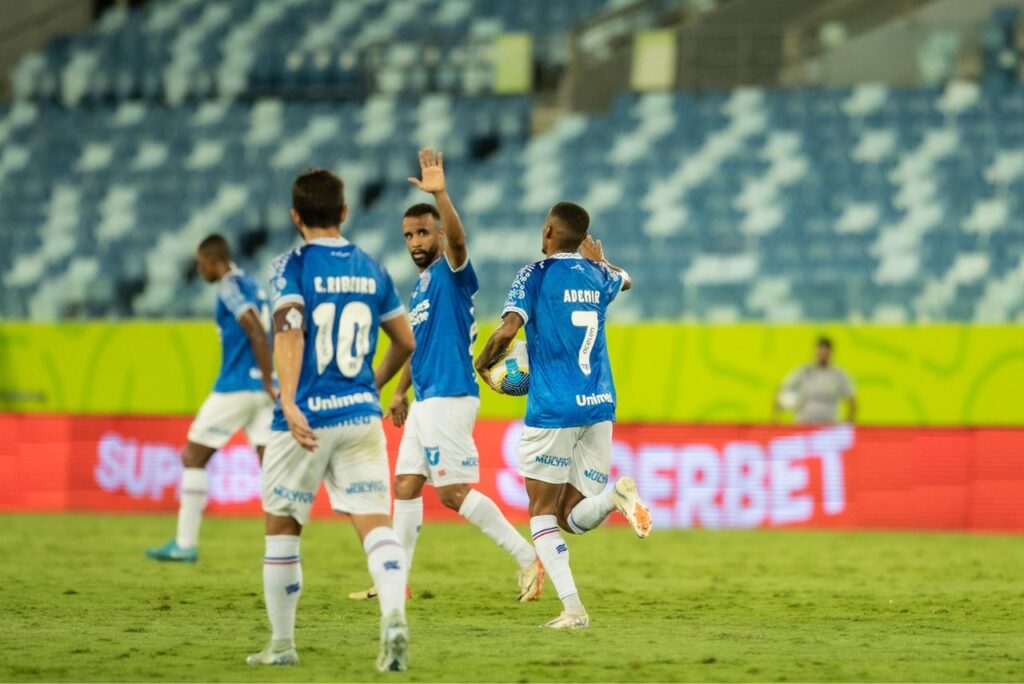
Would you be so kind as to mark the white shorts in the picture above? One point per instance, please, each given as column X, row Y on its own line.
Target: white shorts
column 225, row 413
column 438, row 441
column 579, row 456
column 351, row 460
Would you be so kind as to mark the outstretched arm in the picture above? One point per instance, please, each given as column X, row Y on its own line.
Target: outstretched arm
column 498, row 343
column 432, row 170
column 593, row 251
column 250, row 323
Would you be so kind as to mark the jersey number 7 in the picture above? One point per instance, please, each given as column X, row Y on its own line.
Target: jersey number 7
column 353, row 336
column 588, row 320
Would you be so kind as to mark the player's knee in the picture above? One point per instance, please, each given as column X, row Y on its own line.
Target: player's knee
column 408, row 487
column 453, row 496
column 196, row 455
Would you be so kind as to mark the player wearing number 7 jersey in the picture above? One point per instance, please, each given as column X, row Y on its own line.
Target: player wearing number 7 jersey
column 565, row 448
column 329, row 299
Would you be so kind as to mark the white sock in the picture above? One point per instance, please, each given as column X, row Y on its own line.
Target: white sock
column 190, row 509
column 388, row 566
column 554, row 554
column 408, row 519
column 282, row 583
column 590, row 512
column 485, row 514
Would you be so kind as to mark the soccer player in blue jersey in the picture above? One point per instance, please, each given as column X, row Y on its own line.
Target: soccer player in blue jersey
column 437, row 445
column 243, row 395
column 330, row 298
column 565, row 448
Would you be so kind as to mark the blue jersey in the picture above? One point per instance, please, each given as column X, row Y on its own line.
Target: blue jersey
column 441, row 313
column 238, row 295
column 346, row 295
column 563, row 300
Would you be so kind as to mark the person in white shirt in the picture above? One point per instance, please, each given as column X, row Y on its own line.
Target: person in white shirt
column 813, row 391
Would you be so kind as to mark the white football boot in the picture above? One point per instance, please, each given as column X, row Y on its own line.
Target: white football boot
column 627, row 502
column 569, row 621
column 277, row 652
column 394, row 643
column 531, row 582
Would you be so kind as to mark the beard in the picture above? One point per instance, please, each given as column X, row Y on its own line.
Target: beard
column 424, row 258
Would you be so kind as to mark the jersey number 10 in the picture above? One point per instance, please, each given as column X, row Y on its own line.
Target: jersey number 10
column 353, row 337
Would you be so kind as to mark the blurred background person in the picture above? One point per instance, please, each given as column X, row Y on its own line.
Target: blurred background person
column 813, row 391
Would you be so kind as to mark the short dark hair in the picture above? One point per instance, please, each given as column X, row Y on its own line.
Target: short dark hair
column 574, row 218
column 825, row 341
column 318, row 197
column 216, row 246
column 422, row 209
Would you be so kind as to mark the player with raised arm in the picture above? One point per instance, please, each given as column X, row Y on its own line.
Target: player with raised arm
column 437, row 446
column 243, row 395
column 329, row 300
column 565, row 448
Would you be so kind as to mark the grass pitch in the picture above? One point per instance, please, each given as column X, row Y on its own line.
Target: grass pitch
column 81, row 603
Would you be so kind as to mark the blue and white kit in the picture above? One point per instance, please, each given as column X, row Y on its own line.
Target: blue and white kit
column 238, row 401
column 438, row 439
column 571, row 405
column 344, row 295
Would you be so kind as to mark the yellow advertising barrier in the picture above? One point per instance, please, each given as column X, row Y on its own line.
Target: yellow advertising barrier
column 664, row 372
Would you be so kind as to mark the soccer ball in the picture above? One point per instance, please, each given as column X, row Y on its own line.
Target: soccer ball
column 511, row 374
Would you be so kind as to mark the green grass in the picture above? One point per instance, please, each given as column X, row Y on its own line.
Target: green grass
column 80, row 603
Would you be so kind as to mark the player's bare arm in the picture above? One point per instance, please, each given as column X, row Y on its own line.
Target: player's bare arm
column 497, row 344
column 398, row 409
column 289, row 338
column 593, row 250
column 250, row 323
column 403, row 344
column 432, row 170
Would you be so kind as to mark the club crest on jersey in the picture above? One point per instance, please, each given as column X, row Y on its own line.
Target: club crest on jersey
column 425, row 280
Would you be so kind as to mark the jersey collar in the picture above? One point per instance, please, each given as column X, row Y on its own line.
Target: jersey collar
column 565, row 255
column 233, row 269
column 330, row 242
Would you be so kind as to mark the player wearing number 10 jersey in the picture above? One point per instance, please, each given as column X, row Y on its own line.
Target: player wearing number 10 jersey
column 565, row 448
column 329, row 299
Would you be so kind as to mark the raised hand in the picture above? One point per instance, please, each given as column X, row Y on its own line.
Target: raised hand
column 432, row 170
column 592, row 250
